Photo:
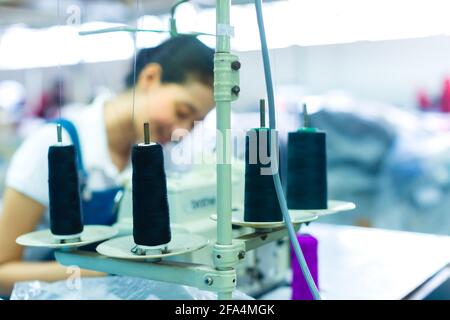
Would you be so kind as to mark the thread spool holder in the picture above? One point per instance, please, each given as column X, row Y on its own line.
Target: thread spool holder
column 142, row 251
column 227, row 252
column 73, row 239
column 204, row 277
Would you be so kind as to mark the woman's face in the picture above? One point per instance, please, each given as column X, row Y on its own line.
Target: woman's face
column 170, row 106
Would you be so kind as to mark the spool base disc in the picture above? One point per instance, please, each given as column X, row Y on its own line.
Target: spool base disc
column 181, row 243
column 334, row 206
column 297, row 216
column 44, row 238
column 237, row 218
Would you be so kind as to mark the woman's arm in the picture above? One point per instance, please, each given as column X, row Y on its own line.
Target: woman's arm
column 21, row 214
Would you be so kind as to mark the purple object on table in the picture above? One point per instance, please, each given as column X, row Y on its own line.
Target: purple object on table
column 300, row 290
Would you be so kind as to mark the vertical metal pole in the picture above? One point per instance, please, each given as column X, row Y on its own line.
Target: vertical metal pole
column 222, row 18
column 223, row 106
column 224, row 236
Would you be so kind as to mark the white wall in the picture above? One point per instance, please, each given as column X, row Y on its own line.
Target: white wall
column 388, row 71
column 285, row 66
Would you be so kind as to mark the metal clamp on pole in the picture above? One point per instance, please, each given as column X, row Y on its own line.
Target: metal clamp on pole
column 226, row 82
column 221, row 280
column 227, row 256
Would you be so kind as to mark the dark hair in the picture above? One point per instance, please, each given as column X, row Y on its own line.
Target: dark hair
column 180, row 57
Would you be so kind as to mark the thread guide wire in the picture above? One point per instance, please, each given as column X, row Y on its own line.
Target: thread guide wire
column 58, row 126
column 135, row 30
column 135, row 60
column 172, row 27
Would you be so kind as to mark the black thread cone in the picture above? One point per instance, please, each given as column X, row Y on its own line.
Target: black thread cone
column 307, row 170
column 64, row 191
column 151, row 221
column 261, row 201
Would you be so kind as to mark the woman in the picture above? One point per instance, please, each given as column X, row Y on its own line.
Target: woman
column 174, row 88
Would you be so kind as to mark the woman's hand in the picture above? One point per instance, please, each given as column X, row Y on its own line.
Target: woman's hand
column 21, row 215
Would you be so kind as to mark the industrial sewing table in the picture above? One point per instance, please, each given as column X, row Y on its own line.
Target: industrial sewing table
column 369, row 263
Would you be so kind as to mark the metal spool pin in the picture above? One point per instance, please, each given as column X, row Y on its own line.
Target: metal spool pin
column 146, row 133
column 75, row 239
column 140, row 250
column 306, row 122
column 262, row 113
column 59, row 133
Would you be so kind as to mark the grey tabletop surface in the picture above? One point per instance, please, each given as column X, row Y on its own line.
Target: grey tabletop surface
column 366, row 263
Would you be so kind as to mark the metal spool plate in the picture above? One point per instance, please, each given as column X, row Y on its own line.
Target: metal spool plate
column 44, row 238
column 181, row 243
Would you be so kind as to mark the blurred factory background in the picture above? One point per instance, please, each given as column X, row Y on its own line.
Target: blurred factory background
column 376, row 77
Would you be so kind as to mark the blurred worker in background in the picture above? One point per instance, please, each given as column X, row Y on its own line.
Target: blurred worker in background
column 174, row 88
